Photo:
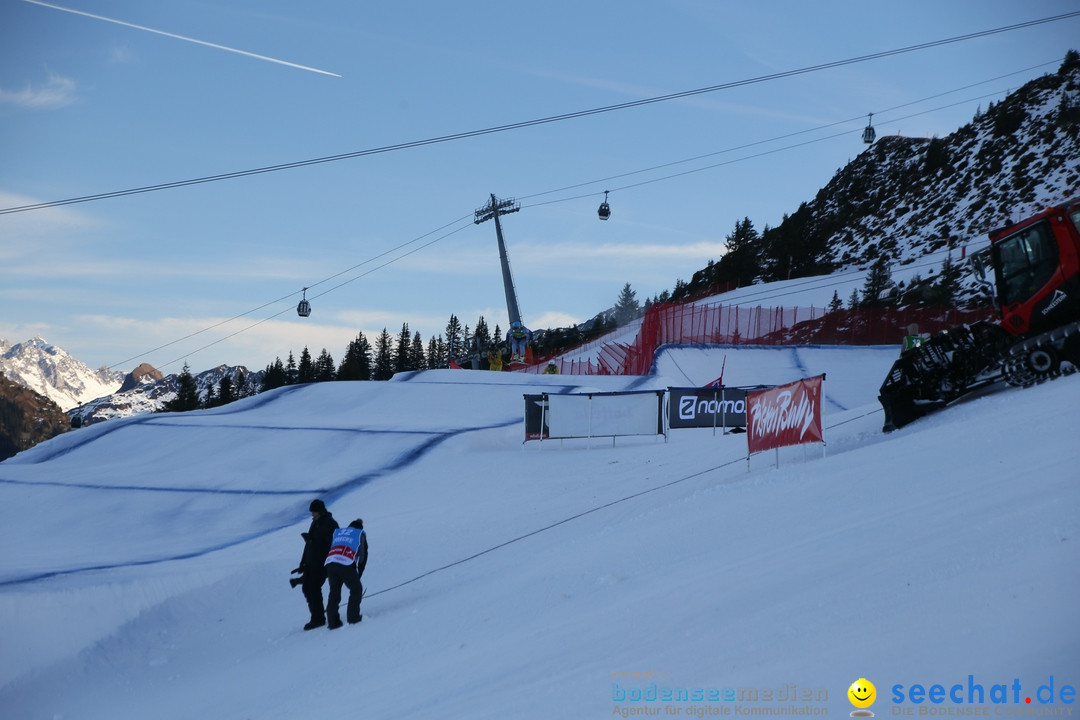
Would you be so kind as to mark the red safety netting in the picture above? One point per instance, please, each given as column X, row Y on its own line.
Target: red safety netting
column 703, row 324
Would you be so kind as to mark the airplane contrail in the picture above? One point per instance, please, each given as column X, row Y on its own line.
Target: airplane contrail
column 182, row 37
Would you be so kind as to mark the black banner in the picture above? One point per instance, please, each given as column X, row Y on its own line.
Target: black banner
column 706, row 407
column 535, row 417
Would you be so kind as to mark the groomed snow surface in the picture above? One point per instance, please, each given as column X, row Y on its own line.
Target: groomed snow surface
column 145, row 563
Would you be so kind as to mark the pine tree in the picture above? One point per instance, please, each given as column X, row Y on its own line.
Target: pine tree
column 454, row 336
column 441, row 357
column 274, row 376
column 324, row 367
column 305, row 371
column 290, row 369
column 742, row 262
column 875, row 292
column 1071, row 61
column 948, row 283
column 356, row 365
column 835, row 304
column 416, row 353
column 626, row 307
column 384, row 357
column 742, row 237
column 401, row 352
column 187, row 394
column 245, row 385
column 433, row 353
column 853, row 300
column 226, row 394
column 483, row 334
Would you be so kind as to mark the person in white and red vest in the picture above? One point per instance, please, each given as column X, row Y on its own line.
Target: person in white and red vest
column 345, row 564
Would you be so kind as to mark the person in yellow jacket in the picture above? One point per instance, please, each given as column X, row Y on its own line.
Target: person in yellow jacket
column 551, row 369
column 495, row 359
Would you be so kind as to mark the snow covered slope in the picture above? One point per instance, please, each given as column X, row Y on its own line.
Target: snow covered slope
column 147, row 558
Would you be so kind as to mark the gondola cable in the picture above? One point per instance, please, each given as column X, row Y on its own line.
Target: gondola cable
column 541, row 121
column 560, row 200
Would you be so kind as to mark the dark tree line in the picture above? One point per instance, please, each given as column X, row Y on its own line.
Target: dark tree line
column 189, row 398
column 404, row 351
column 792, row 250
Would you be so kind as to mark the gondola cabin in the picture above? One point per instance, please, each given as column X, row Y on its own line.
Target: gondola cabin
column 868, row 133
column 605, row 210
column 303, row 308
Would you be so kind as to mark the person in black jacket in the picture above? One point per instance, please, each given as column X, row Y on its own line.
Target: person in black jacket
column 317, row 541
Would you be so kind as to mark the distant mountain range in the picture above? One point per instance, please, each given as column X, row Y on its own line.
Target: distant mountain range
column 50, row 371
column 147, row 390
column 44, row 391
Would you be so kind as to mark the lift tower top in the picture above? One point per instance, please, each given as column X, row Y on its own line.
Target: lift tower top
column 493, row 210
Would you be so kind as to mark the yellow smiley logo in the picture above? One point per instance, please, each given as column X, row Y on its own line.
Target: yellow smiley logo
column 862, row 693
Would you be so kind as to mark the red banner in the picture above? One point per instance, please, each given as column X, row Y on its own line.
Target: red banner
column 784, row 415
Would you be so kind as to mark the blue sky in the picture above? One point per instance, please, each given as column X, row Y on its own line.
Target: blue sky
column 90, row 106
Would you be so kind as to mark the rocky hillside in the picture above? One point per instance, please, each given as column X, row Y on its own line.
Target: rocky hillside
column 26, row 418
column 907, row 199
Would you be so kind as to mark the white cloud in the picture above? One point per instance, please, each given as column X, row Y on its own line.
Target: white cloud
column 372, row 321
column 555, row 319
column 167, row 342
column 531, row 255
column 641, row 251
column 629, row 260
column 25, row 234
column 57, row 92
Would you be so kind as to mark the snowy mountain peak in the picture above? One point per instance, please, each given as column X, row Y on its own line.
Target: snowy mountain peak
column 49, row 370
column 40, row 342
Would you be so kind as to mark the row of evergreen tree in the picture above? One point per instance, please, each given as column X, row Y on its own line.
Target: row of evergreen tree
column 407, row 351
column 390, row 354
column 188, row 396
column 393, row 354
